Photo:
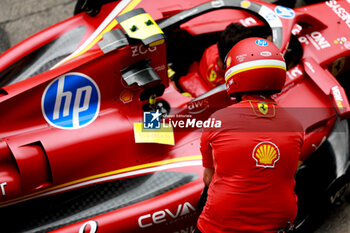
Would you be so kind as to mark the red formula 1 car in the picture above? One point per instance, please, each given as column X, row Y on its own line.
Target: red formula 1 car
column 81, row 103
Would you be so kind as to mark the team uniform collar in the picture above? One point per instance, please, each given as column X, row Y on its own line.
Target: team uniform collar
column 257, row 98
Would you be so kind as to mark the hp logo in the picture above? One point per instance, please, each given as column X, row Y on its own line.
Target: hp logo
column 261, row 42
column 284, row 12
column 71, row 101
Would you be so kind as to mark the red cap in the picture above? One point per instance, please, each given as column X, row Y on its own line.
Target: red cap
column 253, row 65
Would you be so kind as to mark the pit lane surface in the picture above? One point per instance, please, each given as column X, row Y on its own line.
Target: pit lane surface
column 20, row 19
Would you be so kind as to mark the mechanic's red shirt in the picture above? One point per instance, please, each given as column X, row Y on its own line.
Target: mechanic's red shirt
column 209, row 69
column 255, row 155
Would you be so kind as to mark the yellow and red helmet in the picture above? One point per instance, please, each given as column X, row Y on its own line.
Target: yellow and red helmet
column 254, row 65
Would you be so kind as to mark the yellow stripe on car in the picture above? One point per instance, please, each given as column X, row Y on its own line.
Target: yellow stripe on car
column 195, row 160
column 94, row 39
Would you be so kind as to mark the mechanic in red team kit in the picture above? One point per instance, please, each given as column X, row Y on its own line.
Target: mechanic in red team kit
column 210, row 68
column 251, row 161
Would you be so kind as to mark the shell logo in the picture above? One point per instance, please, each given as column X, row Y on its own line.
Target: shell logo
column 126, row 96
column 266, row 154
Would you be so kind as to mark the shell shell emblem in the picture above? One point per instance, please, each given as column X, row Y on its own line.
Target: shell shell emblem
column 126, row 96
column 266, row 154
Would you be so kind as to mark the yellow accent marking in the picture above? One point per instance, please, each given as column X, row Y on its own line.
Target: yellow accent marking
column 141, row 30
column 107, row 29
column 254, row 67
column 106, row 174
column 258, row 115
column 171, row 72
column 256, row 101
column 213, row 155
column 228, row 62
column 266, row 154
column 134, row 168
column 263, row 108
column 161, row 136
column 156, row 43
column 212, row 76
column 245, row 4
column 186, row 94
column 340, row 104
column 99, row 37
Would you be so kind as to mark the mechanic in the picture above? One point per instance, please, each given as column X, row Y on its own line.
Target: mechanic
column 210, row 68
column 249, row 164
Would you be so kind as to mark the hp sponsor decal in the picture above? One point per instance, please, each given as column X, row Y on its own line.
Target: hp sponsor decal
column 284, row 12
column 261, row 43
column 71, row 101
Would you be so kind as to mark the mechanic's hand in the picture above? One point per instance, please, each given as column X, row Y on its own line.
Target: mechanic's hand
column 203, row 199
column 208, row 175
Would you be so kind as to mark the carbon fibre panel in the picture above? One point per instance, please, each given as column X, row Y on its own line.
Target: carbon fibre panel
column 42, row 59
column 53, row 212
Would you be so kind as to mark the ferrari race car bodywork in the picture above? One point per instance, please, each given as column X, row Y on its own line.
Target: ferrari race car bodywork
column 75, row 98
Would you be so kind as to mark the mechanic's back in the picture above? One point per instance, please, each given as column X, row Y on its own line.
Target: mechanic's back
column 255, row 153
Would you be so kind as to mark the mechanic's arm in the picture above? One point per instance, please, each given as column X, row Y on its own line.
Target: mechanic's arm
column 209, row 170
column 208, row 175
column 207, row 158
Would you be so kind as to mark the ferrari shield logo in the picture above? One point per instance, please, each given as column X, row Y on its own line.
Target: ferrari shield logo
column 212, row 76
column 266, row 154
column 263, row 108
